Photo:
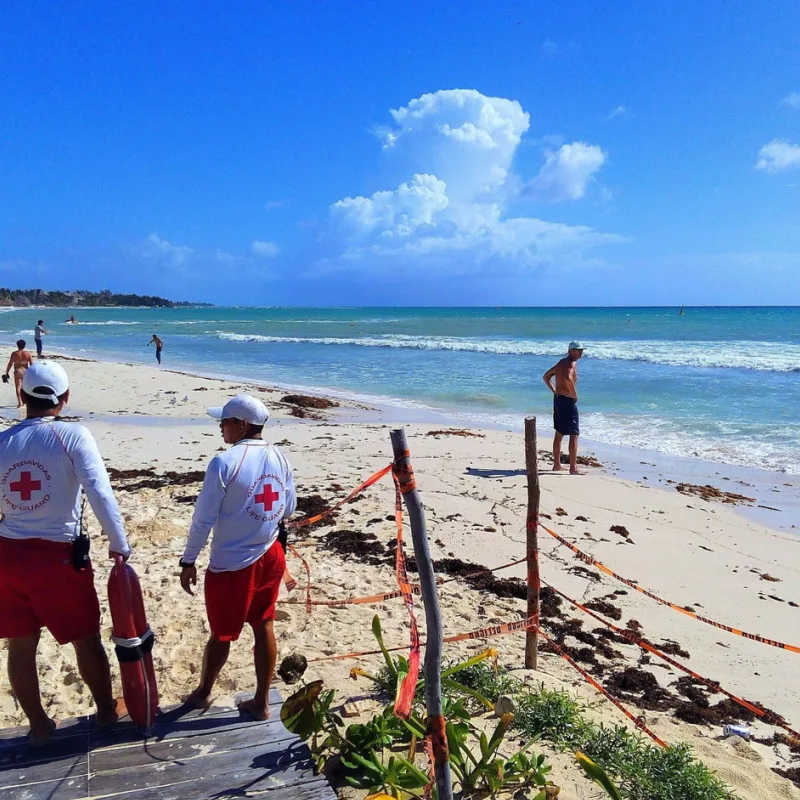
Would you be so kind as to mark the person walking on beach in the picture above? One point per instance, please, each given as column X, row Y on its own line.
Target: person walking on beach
column 565, row 405
column 38, row 332
column 247, row 491
column 159, row 346
column 45, row 579
column 20, row 359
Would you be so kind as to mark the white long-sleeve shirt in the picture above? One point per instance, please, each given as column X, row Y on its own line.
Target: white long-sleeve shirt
column 247, row 491
column 43, row 464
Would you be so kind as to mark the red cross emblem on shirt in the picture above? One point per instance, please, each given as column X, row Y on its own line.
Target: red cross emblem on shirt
column 267, row 496
column 25, row 486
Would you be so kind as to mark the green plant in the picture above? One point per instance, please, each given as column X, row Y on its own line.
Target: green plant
column 641, row 770
column 486, row 769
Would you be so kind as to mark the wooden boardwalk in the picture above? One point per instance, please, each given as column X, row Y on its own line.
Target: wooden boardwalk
column 188, row 756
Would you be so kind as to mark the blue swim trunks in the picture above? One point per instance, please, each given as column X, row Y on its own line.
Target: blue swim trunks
column 565, row 415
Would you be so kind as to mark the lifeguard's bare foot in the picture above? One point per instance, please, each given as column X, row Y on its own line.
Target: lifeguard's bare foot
column 255, row 710
column 107, row 717
column 40, row 735
column 199, row 699
column 557, row 468
column 576, row 472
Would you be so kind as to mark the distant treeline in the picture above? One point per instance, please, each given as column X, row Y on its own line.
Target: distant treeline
column 40, row 297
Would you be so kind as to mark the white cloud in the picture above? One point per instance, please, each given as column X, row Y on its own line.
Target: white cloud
column 566, row 173
column 272, row 205
column 264, row 249
column 155, row 247
column 453, row 210
column 792, row 100
column 778, row 156
column 619, row 111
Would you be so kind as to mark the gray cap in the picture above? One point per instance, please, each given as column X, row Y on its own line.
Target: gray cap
column 576, row 346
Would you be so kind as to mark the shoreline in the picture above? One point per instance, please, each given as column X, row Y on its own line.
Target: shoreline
column 776, row 495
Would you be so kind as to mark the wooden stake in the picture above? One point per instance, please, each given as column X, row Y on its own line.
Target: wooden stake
column 433, row 617
column 532, row 528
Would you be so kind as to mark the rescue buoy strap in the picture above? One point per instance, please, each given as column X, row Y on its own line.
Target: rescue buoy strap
column 136, row 641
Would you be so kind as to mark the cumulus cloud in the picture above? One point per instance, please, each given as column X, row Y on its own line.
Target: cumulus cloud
column 792, row 100
column 159, row 249
column 454, row 209
column 264, row 249
column 778, row 156
column 566, row 172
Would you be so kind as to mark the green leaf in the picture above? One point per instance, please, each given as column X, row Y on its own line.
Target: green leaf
column 459, row 687
column 298, row 712
column 598, row 775
column 378, row 633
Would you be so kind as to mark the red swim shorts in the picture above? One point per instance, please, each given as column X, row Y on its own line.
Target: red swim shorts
column 244, row 595
column 39, row 588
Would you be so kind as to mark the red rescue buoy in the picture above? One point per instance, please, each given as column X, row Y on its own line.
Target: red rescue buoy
column 133, row 642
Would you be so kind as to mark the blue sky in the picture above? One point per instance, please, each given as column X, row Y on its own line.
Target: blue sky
column 403, row 152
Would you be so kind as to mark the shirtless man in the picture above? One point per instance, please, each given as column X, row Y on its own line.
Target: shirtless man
column 565, row 406
column 159, row 346
column 20, row 359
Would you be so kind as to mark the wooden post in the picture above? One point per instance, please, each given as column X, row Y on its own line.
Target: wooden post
column 433, row 617
column 532, row 529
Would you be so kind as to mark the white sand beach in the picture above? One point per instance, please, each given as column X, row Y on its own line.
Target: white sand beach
column 691, row 551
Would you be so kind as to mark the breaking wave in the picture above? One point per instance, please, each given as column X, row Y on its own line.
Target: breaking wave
column 763, row 356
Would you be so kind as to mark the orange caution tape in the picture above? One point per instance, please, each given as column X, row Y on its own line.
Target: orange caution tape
column 308, row 577
column 436, row 734
column 288, row 580
column 637, row 721
column 587, row 559
column 481, row 633
column 355, row 601
column 494, row 630
column 408, row 687
column 404, row 473
column 767, row 716
column 302, row 523
column 428, row 747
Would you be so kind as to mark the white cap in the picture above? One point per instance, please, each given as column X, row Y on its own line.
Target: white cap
column 45, row 380
column 576, row 346
column 244, row 407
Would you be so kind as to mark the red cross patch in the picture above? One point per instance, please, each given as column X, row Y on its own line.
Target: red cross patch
column 267, row 497
column 25, row 486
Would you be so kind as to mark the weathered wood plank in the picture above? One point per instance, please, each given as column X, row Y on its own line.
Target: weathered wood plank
column 63, row 780
column 70, row 727
column 183, row 749
column 211, row 786
column 190, row 755
column 172, row 723
column 18, row 752
column 255, row 768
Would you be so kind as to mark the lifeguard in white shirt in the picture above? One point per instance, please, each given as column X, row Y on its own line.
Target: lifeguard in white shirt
column 44, row 580
column 248, row 490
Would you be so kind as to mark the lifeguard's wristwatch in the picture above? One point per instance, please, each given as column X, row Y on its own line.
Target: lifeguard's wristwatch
column 185, row 564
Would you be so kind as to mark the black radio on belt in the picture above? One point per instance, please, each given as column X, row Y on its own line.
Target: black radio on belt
column 283, row 534
column 80, row 544
column 80, row 552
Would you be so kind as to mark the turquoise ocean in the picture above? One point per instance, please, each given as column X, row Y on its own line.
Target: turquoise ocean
column 721, row 384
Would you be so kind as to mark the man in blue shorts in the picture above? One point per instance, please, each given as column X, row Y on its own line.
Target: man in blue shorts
column 565, row 406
